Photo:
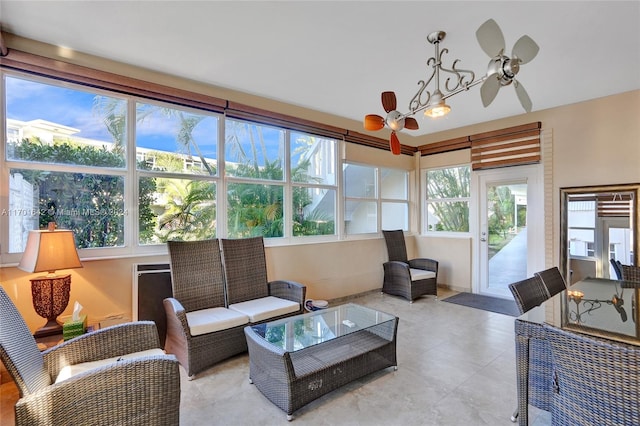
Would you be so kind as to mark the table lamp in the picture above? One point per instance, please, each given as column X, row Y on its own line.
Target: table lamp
column 47, row 251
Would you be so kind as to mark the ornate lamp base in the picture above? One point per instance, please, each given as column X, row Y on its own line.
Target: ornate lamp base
column 50, row 298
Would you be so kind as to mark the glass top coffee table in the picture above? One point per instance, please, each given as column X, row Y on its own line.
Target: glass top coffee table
column 302, row 331
column 295, row 360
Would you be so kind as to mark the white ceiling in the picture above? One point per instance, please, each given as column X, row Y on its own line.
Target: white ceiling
column 338, row 56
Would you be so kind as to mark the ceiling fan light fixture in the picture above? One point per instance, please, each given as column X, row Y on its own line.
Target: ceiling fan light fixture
column 437, row 107
column 438, row 110
column 501, row 71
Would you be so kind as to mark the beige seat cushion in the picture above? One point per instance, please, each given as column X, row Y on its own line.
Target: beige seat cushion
column 265, row 307
column 421, row 274
column 72, row 370
column 210, row 320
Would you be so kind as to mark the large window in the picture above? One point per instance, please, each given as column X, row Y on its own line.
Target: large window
column 271, row 187
column 176, row 169
column 447, row 199
column 65, row 163
column 127, row 173
column 375, row 199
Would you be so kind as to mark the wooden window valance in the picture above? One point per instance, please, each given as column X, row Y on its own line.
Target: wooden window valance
column 513, row 146
column 244, row 112
column 64, row 71
column 500, row 148
column 361, row 139
column 445, row 146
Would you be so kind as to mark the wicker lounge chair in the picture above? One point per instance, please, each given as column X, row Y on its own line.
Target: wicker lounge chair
column 201, row 331
column 596, row 381
column 552, row 280
column 249, row 291
column 140, row 385
column 407, row 278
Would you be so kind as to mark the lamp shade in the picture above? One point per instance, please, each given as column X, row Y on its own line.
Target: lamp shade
column 48, row 251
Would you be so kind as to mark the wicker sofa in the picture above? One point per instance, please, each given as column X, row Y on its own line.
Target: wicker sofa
column 248, row 289
column 203, row 328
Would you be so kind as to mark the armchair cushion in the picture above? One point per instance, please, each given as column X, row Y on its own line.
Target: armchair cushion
column 421, row 274
column 214, row 319
column 265, row 307
column 72, row 370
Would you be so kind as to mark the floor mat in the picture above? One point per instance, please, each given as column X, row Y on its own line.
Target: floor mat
column 486, row 303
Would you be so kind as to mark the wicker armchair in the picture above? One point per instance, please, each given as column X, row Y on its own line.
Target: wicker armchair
column 130, row 389
column 596, row 381
column 248, row 289
column 407, row 278
column 201, row 331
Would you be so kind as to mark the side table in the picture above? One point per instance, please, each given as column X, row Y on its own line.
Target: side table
column 48, row 341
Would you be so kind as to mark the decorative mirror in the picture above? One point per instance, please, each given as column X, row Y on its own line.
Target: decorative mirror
column 599, row 224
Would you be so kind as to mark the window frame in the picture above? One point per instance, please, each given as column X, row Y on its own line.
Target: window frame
column 376, row 198
column 425, row 200
column 131, row 174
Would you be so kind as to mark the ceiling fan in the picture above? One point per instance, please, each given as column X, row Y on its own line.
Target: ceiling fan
column 501, row 71
column 395, row 120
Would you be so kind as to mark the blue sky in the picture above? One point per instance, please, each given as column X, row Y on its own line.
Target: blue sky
column 30, row 100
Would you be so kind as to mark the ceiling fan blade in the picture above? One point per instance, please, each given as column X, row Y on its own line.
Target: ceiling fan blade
column 411, row 123
column 490, row 37
column 394, row 144
column 523, row 96
column 389, row 101
column 525, row 49
column 373, row 122
column 489, row 89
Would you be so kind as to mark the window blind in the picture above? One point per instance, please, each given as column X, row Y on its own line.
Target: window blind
column 512, row 146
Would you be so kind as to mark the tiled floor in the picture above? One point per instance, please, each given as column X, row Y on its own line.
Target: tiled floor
column 456, row 366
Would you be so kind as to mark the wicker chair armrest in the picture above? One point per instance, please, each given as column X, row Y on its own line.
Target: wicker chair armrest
column 101, row 344
column 144, row 390
column 397, row 268
column 176, row 315
column 290, row 290
column 173, row 306
column 425, row 264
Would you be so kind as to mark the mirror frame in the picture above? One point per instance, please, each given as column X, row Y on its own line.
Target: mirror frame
column 564, row 198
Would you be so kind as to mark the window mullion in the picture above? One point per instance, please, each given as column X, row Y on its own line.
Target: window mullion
column 131, row 204
column 287, row 202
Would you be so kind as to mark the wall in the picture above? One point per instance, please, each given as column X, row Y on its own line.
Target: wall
column 594, row 143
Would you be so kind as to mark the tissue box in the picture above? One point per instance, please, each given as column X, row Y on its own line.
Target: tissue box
column 71, row 328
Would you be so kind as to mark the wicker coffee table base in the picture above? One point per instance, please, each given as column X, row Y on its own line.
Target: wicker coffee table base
column 291, row 380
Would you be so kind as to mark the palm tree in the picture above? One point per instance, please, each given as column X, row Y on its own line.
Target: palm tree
column 190, row 212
